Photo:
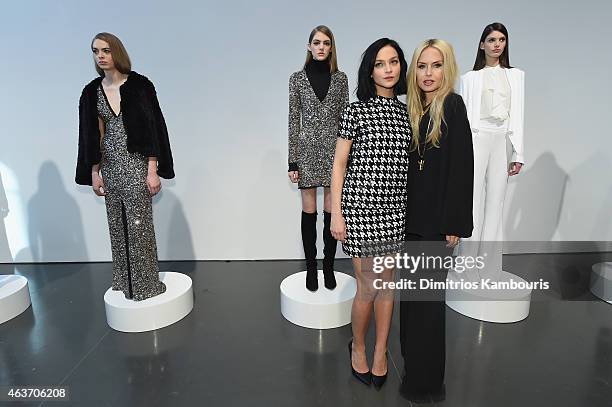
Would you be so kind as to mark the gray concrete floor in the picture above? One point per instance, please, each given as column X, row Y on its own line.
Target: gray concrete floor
column 236, row 349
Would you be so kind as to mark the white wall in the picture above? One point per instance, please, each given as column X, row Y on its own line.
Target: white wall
column 221, row 71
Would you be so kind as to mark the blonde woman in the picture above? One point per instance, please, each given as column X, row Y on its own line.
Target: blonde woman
column 318, row 93
column 439, row 209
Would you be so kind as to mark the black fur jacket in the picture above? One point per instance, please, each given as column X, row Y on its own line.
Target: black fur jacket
column 143, row 120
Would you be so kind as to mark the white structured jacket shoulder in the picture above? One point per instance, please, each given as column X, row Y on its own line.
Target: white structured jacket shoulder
column 470, row 89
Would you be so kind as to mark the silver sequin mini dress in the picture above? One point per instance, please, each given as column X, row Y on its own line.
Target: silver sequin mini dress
column 313, row 127
column 129, row 210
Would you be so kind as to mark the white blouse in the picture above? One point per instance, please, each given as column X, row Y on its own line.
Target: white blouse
column 495, row 102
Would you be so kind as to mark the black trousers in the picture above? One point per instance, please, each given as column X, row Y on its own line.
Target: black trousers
column 423, row 319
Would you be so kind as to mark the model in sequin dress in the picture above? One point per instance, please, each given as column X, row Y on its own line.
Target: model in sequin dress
column 124, row 150
column 129, row 210
column 317, row 95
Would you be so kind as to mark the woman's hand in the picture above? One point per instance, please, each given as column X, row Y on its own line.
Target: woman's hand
column 153, row 183
column 514, row 169
column 338, row 227
column 452, row 241
column 97, row 184
column 294, row 176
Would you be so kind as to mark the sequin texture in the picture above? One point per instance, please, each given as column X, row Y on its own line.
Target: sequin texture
column 129, row 210
column 313, row 127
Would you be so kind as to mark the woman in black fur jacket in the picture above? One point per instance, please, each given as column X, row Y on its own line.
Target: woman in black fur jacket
column 123, row 150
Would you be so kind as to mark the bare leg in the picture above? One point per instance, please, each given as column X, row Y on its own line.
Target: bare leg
column 361, row 311
column 383, row 309
column 309, row 200
column 327, row 199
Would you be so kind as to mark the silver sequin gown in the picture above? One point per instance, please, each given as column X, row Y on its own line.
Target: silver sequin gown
column 129, row 210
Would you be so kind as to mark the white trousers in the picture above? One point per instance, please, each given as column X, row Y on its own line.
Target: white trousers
column 492, row 152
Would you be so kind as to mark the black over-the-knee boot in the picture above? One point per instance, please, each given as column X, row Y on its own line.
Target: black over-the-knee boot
column 329, row 252
column 309, row 240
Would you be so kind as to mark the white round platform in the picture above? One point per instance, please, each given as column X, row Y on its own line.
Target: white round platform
column 601, row 281
column 502, row 306
column 153, row 313
column 322, row 309
column 14, row 296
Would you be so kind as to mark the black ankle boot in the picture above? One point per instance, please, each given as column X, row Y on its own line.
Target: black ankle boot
column 329, row 252
column 309, row 240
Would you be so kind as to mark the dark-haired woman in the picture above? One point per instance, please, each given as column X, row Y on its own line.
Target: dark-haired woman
column 369, row 195
column 123, row 150
column 494, row 97
column 439, row 210
column 317, row 95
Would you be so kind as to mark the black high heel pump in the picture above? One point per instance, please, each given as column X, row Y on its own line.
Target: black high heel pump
column 365, row 378
column 378, row 381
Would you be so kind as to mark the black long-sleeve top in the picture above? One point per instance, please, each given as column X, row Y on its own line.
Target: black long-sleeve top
column 143, row 120
column 319, row 77
column 440, row 195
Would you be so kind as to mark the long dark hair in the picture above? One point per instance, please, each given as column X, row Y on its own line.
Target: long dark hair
column 504, row 58
column 366, row 88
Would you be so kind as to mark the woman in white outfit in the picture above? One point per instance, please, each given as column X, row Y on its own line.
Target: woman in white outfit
column 493, row 93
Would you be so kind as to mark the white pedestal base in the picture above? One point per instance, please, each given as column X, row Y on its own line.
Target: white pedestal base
column 14, row 296
column 153, row 313
column 322, row 309
column 502, row 306
column 601, row 281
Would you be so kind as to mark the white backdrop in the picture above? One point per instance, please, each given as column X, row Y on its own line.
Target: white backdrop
column 221, row 70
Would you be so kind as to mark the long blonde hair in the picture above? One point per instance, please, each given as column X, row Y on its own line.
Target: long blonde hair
column 332, row 60
column 416, row 97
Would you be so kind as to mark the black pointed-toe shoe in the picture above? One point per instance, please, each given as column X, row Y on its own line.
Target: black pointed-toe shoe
column 378, row 381
column 365, row 378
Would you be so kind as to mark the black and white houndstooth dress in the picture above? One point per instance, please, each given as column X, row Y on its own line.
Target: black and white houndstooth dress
column 374, row 192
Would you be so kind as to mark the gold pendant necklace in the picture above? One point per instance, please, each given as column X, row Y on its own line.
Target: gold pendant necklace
column 421, row 161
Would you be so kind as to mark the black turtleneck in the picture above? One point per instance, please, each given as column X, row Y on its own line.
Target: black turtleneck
column 319, row 77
